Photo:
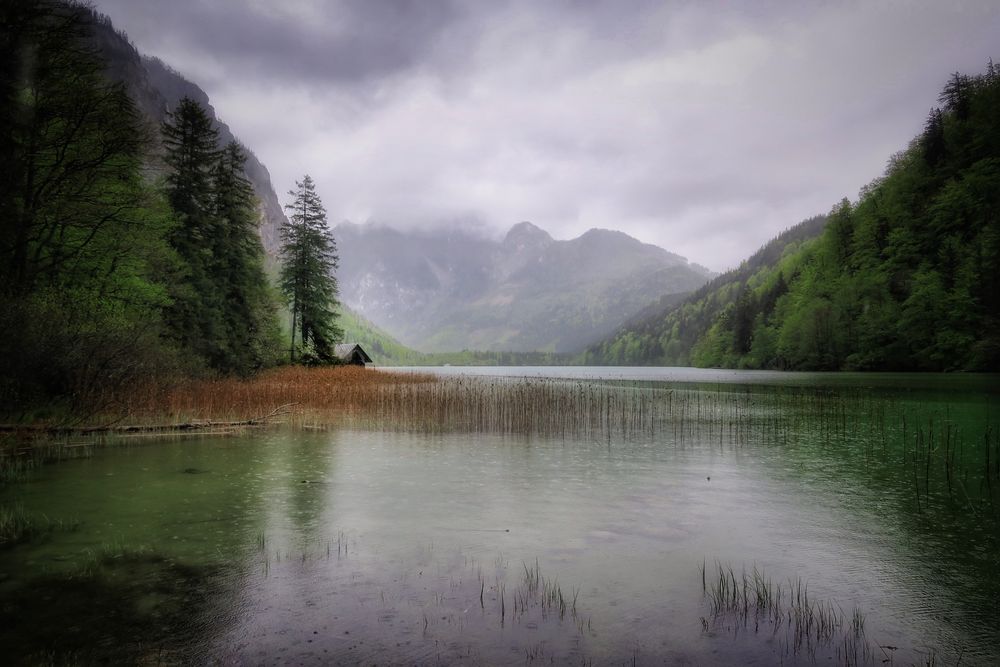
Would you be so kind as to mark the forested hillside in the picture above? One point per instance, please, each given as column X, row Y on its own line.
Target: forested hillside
column 157, row 89
column 113, row 273
column 906, row 278
column 664, row 333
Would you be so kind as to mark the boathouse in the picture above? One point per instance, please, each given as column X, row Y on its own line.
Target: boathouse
column 351, row 353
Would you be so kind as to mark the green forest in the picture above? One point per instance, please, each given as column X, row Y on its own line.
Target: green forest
column 905, row 278
column 131, row 251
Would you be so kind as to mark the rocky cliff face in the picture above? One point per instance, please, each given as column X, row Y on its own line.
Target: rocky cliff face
column 451, row 289
column 157, row 89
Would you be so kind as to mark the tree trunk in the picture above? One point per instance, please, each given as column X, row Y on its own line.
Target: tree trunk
column 291, row 350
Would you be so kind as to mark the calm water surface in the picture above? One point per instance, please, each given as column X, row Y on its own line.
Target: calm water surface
column 351, row 546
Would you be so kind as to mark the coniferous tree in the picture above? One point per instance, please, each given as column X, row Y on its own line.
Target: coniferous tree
column 191, row 142
column 195, row 318
column 249, row 313
column 906, row 278
column 309, row 255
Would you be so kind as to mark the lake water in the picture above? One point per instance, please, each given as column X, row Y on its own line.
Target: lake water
column 361, row 545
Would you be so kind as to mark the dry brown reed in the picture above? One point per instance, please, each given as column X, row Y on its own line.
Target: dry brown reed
column 321, row 394
column 945, row 461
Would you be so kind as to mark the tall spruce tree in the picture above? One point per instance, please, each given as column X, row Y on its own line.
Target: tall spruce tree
column 195, row 318
column 249, row 314
column 309, row 255
column 223, row 310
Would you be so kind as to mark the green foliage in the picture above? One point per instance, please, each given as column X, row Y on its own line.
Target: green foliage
column 106, row 280
column 671, row 334
column 908, row 278
column 82, row 250
column 383, row 348
column 222, row 309
column 309, row 259
column 249, row 306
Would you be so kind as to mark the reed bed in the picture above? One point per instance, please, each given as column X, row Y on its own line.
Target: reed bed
column 943, row 458
column 322, row 394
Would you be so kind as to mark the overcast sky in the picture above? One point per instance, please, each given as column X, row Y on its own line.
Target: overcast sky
column 702, row 127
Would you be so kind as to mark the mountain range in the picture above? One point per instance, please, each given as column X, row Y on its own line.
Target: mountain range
column 449, row 288
column 903, row 279
column 453, row 289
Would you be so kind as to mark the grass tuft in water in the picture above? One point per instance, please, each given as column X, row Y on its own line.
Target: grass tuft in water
column 752, row 600
column 18, row 525
column 537, row 591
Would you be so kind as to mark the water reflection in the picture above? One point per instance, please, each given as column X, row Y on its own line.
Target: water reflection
column 358, row 545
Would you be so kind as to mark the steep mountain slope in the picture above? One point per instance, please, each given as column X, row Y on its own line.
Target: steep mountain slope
column 907, row 278
column 451, row 289
column 665, row 333
column 447, row 290
column 157, row 89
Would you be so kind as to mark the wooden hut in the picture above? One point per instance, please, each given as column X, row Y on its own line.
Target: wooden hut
column 351, row 353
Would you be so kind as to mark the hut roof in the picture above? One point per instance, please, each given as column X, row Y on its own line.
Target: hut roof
column 345, row 351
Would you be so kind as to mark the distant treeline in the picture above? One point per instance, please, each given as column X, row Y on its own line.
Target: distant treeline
column 387, row 351
column 906, row 278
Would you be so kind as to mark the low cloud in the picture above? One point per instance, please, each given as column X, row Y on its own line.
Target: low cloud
column 700, row 127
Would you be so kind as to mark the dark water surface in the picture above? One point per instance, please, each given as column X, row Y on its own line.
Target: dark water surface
column 363, row 546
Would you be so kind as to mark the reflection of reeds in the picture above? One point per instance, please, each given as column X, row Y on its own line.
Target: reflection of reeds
column 937, row 457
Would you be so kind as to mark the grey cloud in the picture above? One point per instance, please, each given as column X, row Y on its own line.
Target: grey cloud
column 345, row 42
column 704, row 127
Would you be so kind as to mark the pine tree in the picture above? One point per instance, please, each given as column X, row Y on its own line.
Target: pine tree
column 194, row 319
column 249, row 316
column 309, row 255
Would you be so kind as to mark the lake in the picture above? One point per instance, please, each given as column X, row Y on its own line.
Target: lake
column 685, row 517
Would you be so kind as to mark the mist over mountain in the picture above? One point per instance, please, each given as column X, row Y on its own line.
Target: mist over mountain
column 453, row 289
column 447, row 289
column 665, row 332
